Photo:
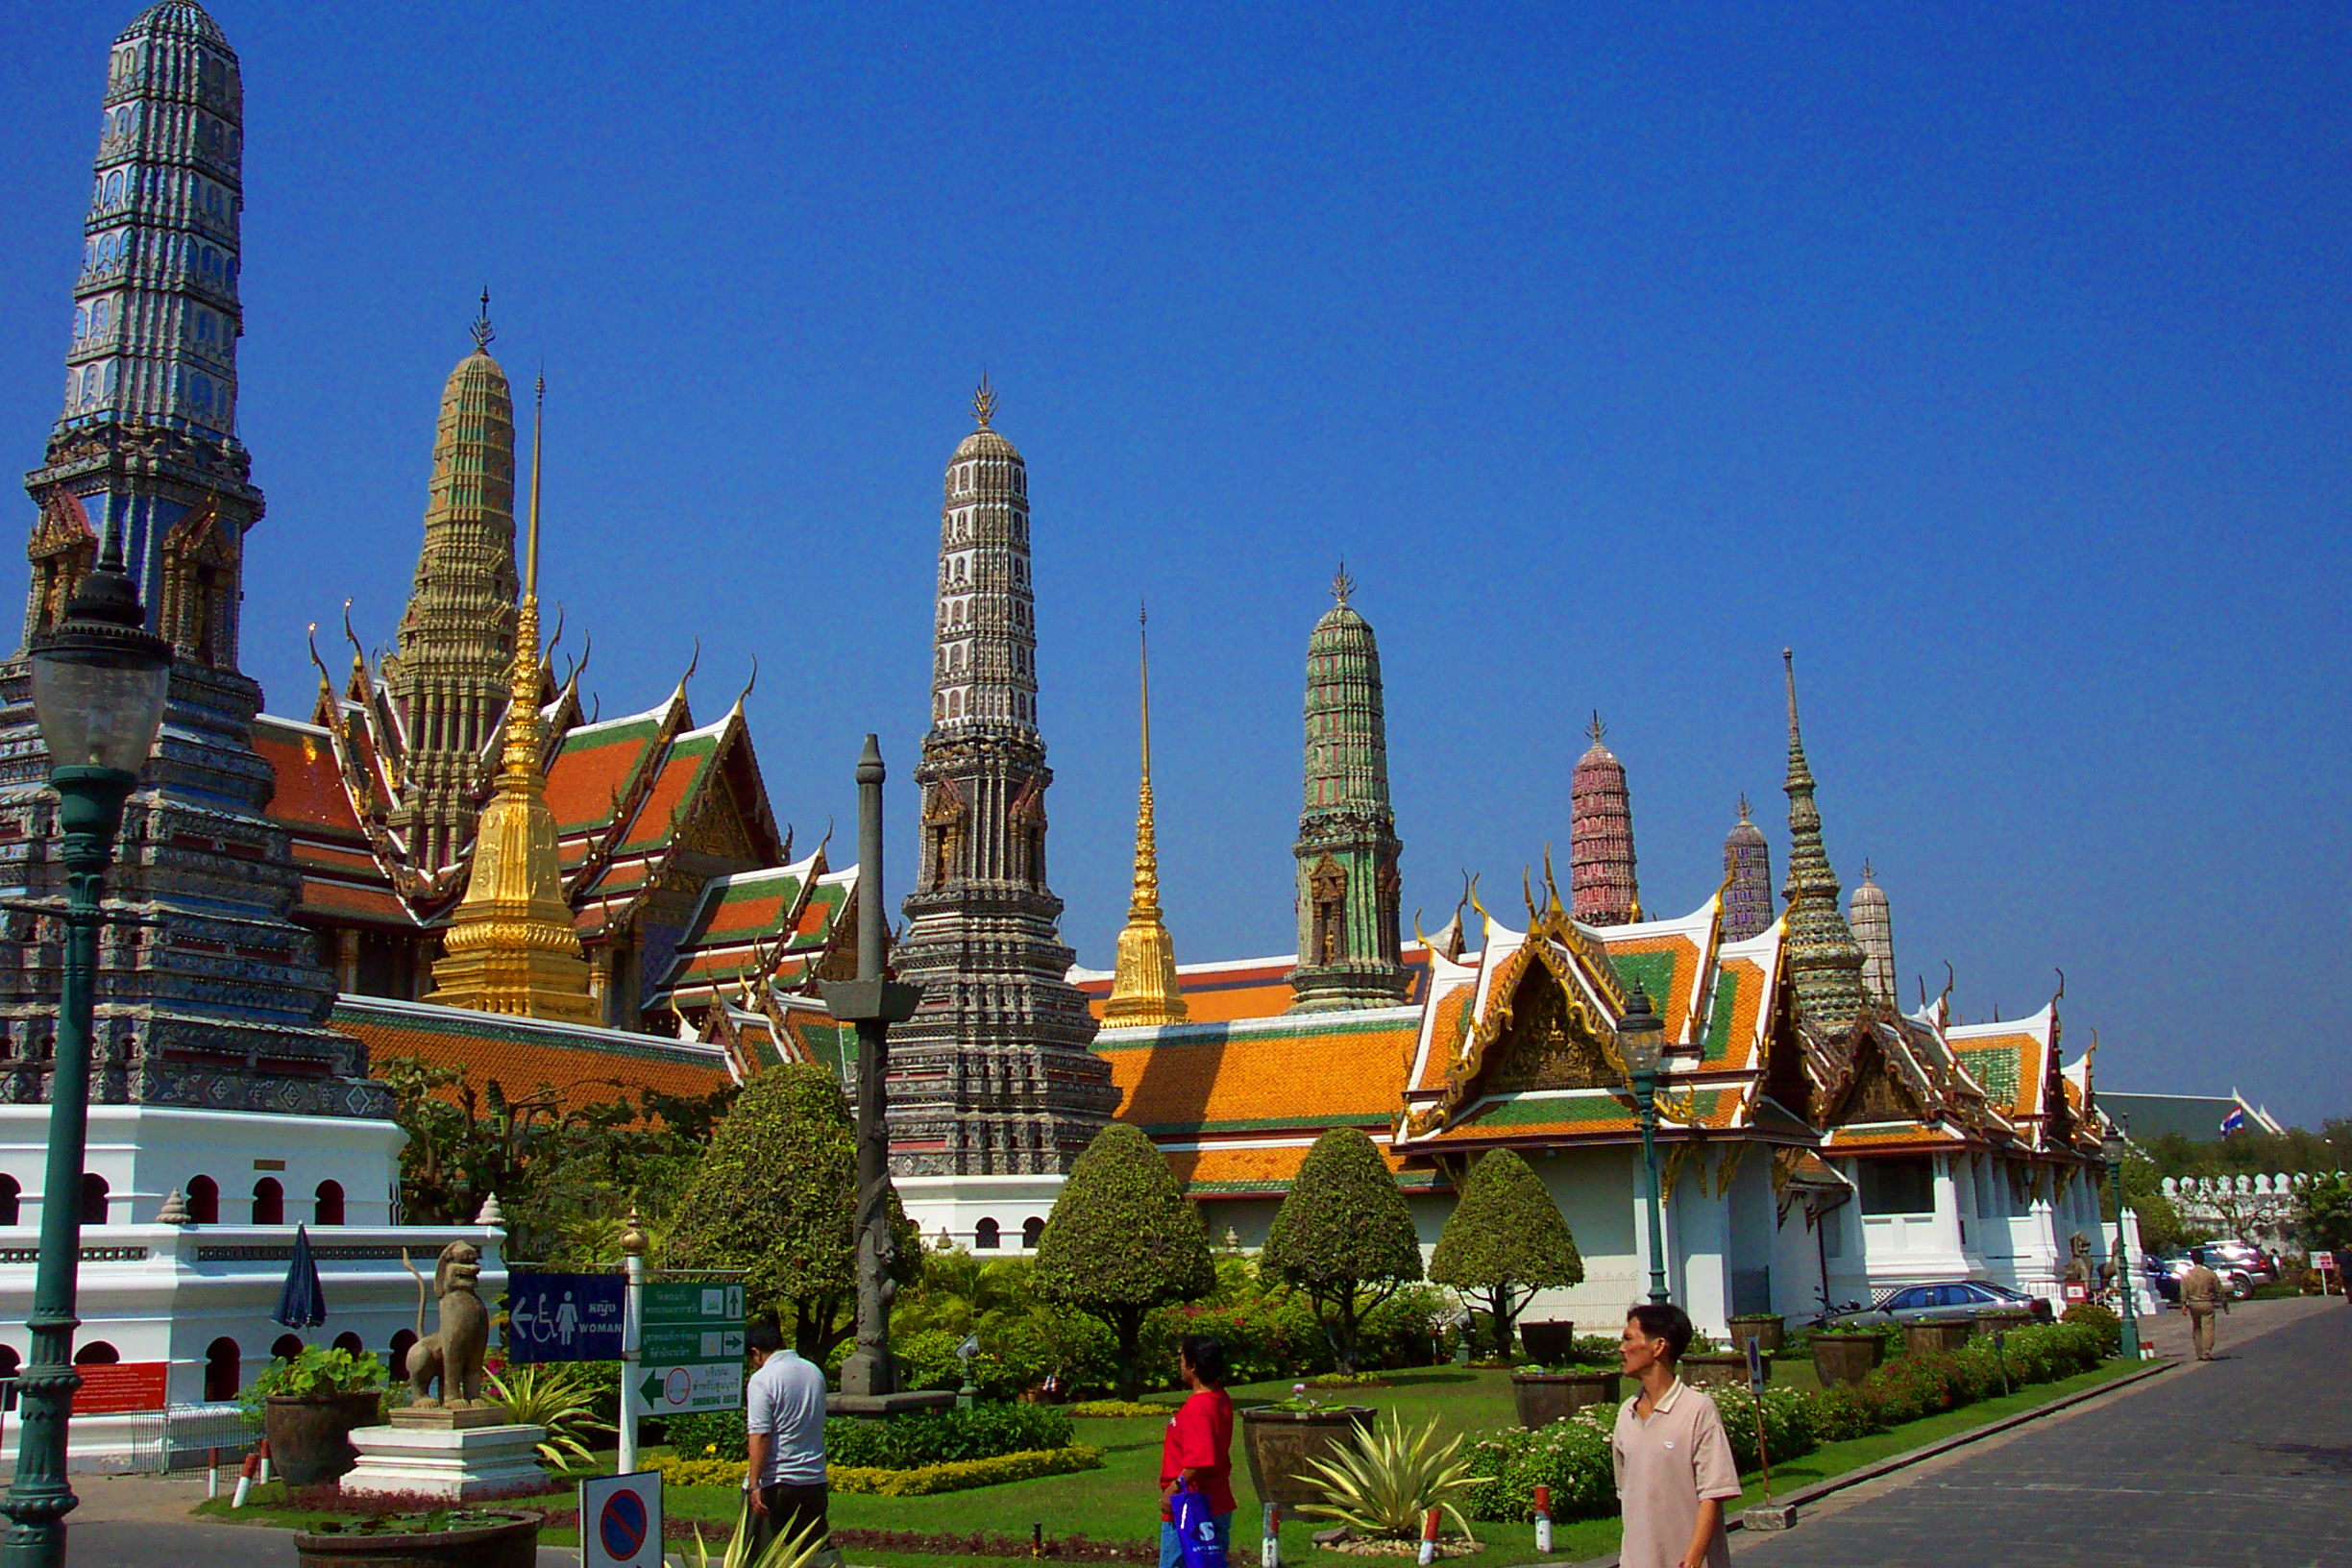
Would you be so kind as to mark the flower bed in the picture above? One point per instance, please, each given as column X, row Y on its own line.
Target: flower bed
column 922, row 1481
column 1060, row 1549
column 1572, row 1457
column 1110, row 1409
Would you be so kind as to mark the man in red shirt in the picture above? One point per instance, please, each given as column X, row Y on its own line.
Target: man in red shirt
column 1198, row 1449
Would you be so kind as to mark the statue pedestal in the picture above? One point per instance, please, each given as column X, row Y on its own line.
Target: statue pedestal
column 460, row 1456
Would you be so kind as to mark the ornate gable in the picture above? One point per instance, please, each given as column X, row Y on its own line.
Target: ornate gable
column 1871, row 1088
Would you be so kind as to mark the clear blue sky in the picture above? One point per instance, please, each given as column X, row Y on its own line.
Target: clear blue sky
column 1995, row 357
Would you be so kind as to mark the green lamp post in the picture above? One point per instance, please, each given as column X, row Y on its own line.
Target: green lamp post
column 1641, row 1040
column 99, row 680
column 2116, row 1145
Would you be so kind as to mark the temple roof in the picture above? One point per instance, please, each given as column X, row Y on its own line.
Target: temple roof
column 583, row 1064
column 778, row 924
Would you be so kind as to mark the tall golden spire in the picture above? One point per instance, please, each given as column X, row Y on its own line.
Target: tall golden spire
column 511, row 947
column 1143, row 990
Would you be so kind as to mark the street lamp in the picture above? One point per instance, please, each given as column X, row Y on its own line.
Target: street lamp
column 1641, row 1040
column 2116, row 1145
column 99, row 680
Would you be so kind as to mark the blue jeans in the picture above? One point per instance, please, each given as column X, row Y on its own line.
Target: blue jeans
column 1171, row 1544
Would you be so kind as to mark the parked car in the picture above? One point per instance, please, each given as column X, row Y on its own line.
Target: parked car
column 2165, row 1275
column 2241, row 1266
column 1947, row 1301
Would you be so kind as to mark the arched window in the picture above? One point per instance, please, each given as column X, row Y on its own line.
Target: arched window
column 348, row 1341
column 97, row 1352
column 286, row 1346
column 12, row 1197
column 269, row 1202
column 400, row 1343
column 10, row 1362
column 330, row 1204
column 1033, row 1231
column 984, row 1236
column 93, row 1199
column 224, row 1375
column 203, row 1200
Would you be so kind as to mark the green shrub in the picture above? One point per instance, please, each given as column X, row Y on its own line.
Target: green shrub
column 1122, row 1240
column 1571, row 1457
column 922, row 1437
column 1788, row 1422
column 2101, row 1320
column 1343, row 1237
column 901, row 1443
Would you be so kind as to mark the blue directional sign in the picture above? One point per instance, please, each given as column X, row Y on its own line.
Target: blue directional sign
column 563, row 1317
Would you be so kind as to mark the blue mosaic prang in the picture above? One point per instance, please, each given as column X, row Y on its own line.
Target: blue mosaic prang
column 212, row 997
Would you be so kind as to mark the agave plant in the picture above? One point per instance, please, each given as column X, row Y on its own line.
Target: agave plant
column 559, row 1398
column 784, row 1552
column 1390, row 1479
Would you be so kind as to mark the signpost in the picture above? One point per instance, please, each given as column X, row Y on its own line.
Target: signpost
column 690, row 1349
column 563, row 1317
column 620, row 1521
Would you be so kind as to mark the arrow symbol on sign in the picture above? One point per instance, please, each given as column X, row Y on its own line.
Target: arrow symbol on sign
column 653, row 1388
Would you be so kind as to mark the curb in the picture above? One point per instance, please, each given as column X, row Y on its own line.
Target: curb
column 1893, row 1463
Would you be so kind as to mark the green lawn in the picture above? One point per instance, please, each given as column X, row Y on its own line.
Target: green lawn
column 1117, row 1502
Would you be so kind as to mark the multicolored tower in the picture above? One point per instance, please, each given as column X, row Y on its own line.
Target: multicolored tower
column 214, row 998
column 448, row 680
column 1874, row 930
column 510, row 947
column 1143, row 988
column 993, row 1074
column 1347, row 849
column 1823, row 962
column 1602, row 884
column 1748, row 893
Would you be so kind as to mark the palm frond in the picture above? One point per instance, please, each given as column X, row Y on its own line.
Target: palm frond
column 558, row 1398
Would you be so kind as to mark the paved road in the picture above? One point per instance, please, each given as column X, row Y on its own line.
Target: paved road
column 2241, row 1462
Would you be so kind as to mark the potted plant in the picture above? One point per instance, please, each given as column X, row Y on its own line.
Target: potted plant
column 1284, row 1441
column 446, row 1538
column 1549, row 1342
column 309, row 1407
column 1716, row 1368
column 1931, row 1338
column 1840, row 1358
column 1542, row 1397
column 1766, row 1329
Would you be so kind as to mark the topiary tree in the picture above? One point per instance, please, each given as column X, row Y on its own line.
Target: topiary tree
column 1342, row 1236
column 775, row 1195
column 1503, row 1241
column 2324, row 1218
column 1122, row 1240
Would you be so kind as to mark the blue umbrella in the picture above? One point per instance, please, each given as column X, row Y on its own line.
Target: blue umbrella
column 302, row 1303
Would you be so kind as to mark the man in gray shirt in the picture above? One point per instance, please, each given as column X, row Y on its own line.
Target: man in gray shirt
column 784, row 1409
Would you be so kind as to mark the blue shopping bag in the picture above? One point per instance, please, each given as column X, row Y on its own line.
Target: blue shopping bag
column 1196, row 1530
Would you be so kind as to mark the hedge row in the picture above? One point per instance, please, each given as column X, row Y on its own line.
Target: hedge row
column 1572, row 1457
column 955, row 1476
column 905, row 1443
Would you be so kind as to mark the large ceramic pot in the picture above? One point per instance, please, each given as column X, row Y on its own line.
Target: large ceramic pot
column 1282, row 1446
column 1768, row 1333
column 1841, row 1359
column 310, row 1438
column 1545, row 1397
column 2000, row 1320
column 1710, row 1369
column 1933, row 1338
column 1548, row 1343
column 507, row 1540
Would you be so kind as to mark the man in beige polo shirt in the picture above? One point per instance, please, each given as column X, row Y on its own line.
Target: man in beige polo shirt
column 1675, row 1469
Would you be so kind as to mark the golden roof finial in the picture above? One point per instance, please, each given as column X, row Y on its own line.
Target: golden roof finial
column 480, row 327
column 1342, row 584
column 984, row 400
column 511, row 947
column 1743, row 805
column 1143, row 986
column 1596, row 730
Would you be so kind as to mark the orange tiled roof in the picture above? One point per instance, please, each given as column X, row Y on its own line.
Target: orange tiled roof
column 521, row 1054
column 1256, row 1170
column 1314, row 1071
column 1231, row 990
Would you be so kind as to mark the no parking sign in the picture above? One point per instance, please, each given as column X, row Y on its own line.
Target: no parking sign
column 620, row 1521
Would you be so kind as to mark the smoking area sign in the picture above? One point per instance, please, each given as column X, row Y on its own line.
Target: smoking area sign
column 691, row 1347
column 620, row 1521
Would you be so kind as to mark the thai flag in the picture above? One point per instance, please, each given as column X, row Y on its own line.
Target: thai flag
column 2233, row 1122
